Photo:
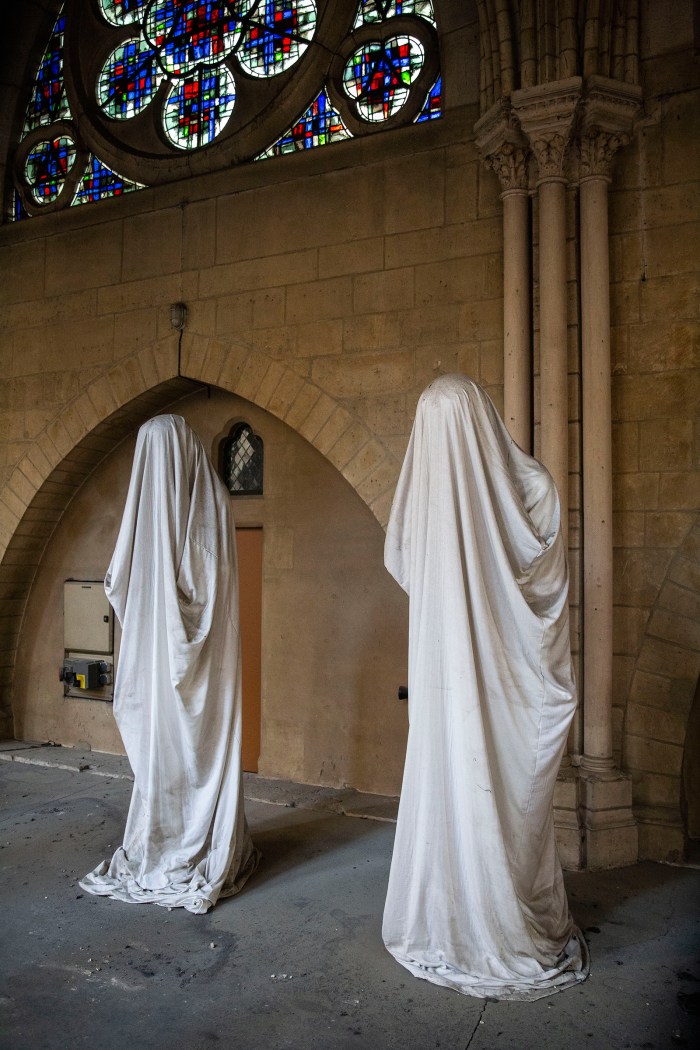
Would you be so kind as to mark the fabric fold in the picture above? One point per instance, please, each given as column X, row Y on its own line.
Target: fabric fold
column 173, row 583
column 476, row 897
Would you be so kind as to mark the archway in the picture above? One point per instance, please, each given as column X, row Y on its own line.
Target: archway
column 99, row 417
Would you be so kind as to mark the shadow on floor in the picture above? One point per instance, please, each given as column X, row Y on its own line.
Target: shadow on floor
column 296, row 961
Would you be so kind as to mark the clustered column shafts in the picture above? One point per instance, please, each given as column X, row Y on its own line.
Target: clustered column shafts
column 559, row 91
column 549, row 121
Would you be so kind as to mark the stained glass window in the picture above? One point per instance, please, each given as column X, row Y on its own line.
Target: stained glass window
column 380, row 10
column 129, row 80
column 187, row 35
column 243, row 462
column 433, row 103
column 47, row 166
column 198, row 106
column 320, row 124
column 190, row 74
column 100, row 182
column 48, row 101
column 122, row 12
column 280, row 31
column 379, row 75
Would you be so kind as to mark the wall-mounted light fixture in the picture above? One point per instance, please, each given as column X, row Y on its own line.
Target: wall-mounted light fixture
column 178, row 316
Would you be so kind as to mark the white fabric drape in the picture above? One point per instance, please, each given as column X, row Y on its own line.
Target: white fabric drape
column 476, row 899
column 173, row 584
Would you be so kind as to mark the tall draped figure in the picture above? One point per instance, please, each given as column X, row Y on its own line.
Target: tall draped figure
column 476, row 899
column 173, row 583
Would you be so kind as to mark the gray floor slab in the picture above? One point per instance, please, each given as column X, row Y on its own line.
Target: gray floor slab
column 296, row 961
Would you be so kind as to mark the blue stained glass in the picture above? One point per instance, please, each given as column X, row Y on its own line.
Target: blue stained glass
column 279, row 32
column 198, row 107
column 100, row 182
column 379, row 75
column 190, row 34
column 129, row 80
column 379, row 10
column 18, row 209
column 47, row 166
column 48, row 101
column 433, row 103
column 319, row 125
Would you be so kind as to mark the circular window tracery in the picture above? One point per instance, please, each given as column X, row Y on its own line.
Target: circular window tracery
column 198, row 107
column 129, row 80
column 47, row 166
column 155, row 90
column 197, row 45
column 378, row 77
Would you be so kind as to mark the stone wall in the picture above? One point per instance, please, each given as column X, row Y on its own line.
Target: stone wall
column 655, row 230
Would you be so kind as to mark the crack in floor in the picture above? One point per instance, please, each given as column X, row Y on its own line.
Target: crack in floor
column 479, row 1021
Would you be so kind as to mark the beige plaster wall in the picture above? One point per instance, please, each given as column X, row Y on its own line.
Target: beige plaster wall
column 334, row 623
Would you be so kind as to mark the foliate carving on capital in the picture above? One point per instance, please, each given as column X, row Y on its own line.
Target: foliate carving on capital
column 597, row 149
column 547, row 115
column 503, row 146
column 511, row 167
column 550, row 150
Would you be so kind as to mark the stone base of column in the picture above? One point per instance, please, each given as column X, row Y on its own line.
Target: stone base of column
column 609, row 829
column 567, row 827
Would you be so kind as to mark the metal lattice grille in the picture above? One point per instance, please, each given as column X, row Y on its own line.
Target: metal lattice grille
column 243, row 462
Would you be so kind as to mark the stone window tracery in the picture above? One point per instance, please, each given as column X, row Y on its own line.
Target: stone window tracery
column 133, row 93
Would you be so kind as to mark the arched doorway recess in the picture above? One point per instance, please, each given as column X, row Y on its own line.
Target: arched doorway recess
column 88, row 429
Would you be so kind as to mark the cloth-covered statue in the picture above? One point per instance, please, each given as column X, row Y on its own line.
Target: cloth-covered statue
column 173, row 584
column 476, row 899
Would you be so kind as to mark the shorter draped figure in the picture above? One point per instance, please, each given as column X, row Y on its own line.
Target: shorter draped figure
column 173, row 583
column 476, row 898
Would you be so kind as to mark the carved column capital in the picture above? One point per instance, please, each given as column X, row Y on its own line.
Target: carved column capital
column 607, row 116
column 547, row 114
column 503, row 146
column 597, row 149
column 511, row 166
column 549, row 148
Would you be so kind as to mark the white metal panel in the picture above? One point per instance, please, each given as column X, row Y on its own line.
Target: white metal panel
column 87, row 617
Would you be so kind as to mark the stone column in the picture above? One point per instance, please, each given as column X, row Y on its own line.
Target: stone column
column 504, row 148
column 609, row 827
column 546, row 114
column 597, row 451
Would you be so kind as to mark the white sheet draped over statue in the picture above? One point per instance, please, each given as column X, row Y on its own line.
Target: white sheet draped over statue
column 173, row 584
column 476, row 899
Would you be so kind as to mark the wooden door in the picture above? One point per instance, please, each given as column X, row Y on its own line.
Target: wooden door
column 249, row 547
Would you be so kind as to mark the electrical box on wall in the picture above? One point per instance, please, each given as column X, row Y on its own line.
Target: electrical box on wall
column 88, row 639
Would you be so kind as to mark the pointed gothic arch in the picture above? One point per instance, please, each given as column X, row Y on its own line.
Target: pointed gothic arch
column 87, row 429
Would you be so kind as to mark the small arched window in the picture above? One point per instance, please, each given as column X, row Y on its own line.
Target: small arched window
column 242, row 461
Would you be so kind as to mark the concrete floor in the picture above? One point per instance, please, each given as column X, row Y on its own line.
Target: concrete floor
column 296, row 961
